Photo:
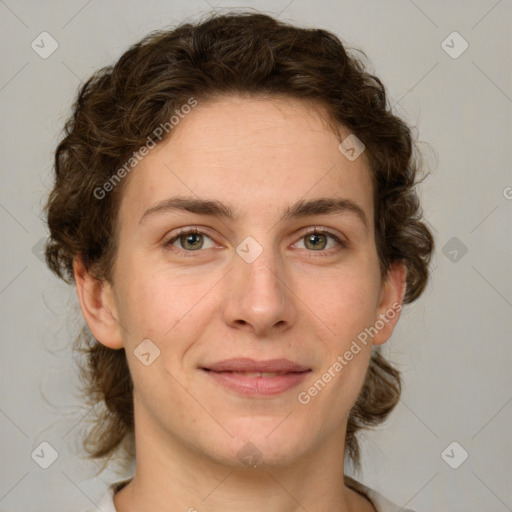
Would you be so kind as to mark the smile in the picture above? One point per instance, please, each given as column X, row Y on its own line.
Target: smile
column 257, row 379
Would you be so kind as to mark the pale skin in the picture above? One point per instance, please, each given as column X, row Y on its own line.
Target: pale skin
column 297, row 300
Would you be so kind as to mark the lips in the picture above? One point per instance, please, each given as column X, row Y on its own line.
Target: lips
column 257, row 378
column 246, row 365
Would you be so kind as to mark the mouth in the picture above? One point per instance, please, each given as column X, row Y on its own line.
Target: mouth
column 265, row 375
column 257, row 378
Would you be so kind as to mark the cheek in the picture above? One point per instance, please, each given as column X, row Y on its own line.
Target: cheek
column 153, row 301
column 346, row 300
column 144, row 307
column 352, row 308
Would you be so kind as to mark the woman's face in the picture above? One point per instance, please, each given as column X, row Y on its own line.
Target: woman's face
column 257, row 287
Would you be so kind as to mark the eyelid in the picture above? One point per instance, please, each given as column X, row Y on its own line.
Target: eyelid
column 322, row 230
column 200, row 230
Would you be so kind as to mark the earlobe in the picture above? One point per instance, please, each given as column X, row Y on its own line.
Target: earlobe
column 98, row 306
column 391, row 302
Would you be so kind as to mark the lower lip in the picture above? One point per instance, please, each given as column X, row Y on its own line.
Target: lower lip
column 258, row 386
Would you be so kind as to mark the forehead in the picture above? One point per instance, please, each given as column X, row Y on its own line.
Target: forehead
column 258, row 154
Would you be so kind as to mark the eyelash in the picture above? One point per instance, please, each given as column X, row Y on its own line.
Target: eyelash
column 315, row 231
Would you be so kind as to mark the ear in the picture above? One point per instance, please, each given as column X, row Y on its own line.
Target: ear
column 390, row 303
column 98, row 306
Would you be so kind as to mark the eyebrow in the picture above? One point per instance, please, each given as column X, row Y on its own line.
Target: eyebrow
column 302, row 208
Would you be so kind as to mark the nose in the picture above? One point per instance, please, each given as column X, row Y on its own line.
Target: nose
column 259, row 297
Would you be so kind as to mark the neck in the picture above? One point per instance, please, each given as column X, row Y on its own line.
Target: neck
column 172, row 476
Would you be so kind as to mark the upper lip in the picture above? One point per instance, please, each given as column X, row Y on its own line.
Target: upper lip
column 250, row 365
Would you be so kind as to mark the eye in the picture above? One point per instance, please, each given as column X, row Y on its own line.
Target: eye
column 318, row 240
column 189, row 240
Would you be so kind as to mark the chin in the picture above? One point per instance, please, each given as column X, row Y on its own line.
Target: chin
column 263, row 443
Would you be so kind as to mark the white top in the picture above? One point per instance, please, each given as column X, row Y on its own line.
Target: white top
column 380, row 503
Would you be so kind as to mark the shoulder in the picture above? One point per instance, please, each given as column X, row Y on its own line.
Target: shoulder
column 106, row 503
column 380, row 503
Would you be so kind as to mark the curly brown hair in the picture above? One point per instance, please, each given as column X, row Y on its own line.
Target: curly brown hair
column 247, row 53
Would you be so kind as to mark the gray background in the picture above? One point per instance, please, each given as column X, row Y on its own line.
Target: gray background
column 453, row 345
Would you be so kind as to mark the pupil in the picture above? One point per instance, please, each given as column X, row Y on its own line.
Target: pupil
column 189, row 238
column 311, row 239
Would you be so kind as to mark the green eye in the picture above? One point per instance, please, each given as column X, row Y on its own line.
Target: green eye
column 190, row 240
column 317, row 240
